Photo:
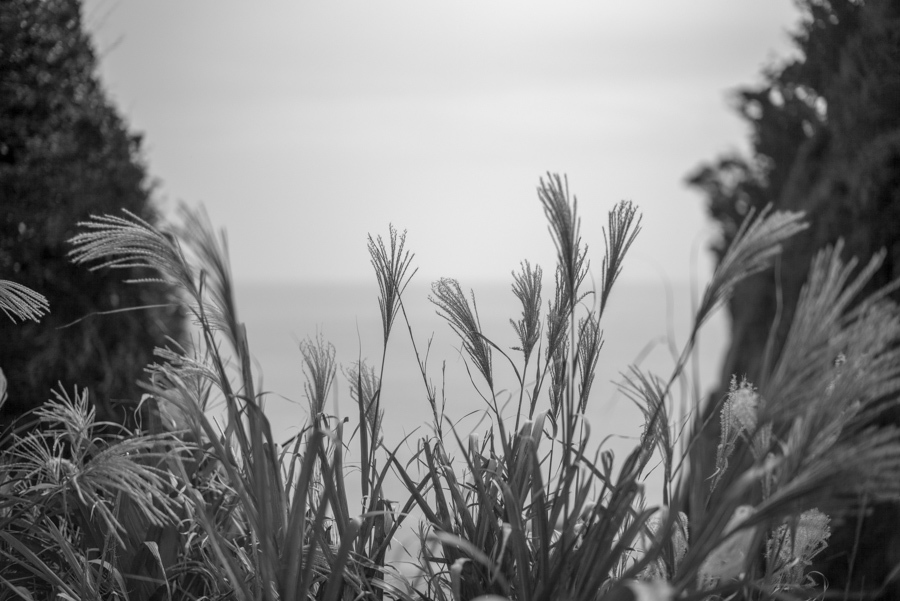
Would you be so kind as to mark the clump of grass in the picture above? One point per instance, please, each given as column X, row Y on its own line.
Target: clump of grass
column 76, row 499
column 199, row 505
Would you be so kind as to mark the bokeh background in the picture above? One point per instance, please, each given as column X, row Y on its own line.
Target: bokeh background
column 303, row 126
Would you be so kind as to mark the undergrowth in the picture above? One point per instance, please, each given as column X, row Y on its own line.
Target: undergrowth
column 202, row 505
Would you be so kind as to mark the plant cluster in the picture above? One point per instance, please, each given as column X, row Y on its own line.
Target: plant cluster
column 823, row 136
column 202, row 504
column 66, row 153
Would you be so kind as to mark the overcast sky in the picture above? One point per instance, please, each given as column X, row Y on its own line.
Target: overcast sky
column 303, row 126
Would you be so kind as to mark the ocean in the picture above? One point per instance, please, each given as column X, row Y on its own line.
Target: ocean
column 641, row 321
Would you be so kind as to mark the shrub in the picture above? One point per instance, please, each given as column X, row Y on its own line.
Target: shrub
column 66, row 153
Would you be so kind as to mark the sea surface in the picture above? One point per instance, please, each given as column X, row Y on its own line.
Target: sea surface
column 645, row 324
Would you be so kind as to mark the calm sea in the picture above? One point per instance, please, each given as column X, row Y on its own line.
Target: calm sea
column 643, row 325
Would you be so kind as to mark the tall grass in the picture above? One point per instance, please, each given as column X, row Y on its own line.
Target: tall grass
column 201, row 502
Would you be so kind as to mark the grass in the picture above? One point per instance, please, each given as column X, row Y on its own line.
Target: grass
column 195, row 507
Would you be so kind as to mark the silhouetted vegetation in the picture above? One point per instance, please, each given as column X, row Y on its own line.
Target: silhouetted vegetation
column 825, row 139
column 65, row 154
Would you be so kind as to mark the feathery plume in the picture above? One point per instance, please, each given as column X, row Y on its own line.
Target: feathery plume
column 68, row 461
column 557, row 368
column 363, row 388
column 792, row 547
column 123, row 243
column 739, row 416
column 565, row 228
column 20, row 301
column 622, row 232
column 754, row 248
column 557, row 314
column 449, row 298
column 527, row 288
column 590, row 341
column 320, row 369
column 390, row 270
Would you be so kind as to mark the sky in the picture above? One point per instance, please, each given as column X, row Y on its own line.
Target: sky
column 304, row 126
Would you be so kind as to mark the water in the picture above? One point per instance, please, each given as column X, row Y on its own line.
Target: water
column 637, row 322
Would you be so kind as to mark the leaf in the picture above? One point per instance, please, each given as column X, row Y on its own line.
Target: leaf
column 154, row 549
column 20, row 591
column 2, row 389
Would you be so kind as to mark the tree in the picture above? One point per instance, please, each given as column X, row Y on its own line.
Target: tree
column 825, row 139
column 65, row 153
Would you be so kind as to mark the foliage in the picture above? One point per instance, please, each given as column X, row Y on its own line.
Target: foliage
column 65, row 153
column 824, row 138
column 192, row 506
column 824, row 128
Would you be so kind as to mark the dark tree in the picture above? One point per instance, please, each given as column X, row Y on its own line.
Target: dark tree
column 826, row 140
column 65, row 153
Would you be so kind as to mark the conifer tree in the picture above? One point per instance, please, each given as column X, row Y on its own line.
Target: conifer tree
column 825, row 139
column 65, row 153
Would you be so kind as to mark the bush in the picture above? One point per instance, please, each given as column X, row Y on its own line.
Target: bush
column 66, row 154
